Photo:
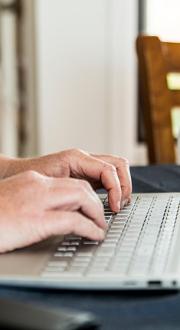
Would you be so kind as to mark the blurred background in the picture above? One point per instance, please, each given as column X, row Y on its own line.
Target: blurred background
column 68, row 74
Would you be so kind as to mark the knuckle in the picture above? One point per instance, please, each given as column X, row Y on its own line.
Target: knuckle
column 85, row 185
column 75, row 151
column 110, row 167
column 32, row 175
column 82, row 185
column 65, row 154
column 124, row 161
column 84, row 191
column 79, row 186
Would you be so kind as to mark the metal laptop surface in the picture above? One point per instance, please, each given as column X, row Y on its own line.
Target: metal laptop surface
column 140, row 251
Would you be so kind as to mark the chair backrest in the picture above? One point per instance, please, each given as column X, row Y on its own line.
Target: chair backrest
column 156, row 59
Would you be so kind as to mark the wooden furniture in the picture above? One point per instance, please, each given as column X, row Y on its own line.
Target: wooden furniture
column 156, row 59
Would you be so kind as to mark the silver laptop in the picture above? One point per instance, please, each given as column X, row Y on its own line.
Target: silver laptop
column 141, row 251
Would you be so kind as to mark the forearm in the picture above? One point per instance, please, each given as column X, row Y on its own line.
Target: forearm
column 50, row 165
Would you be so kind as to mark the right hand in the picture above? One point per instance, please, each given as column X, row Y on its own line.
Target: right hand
column 34, row 207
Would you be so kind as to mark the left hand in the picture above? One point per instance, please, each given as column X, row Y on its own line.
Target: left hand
column 101, row 171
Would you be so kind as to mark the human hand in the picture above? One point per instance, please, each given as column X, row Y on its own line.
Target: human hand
column 109, row 172
column 34, row 207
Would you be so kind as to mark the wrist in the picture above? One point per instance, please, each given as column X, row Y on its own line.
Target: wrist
column 11, row 166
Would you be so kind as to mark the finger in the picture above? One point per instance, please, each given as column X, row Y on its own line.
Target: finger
column 123, row 171
column 87, row 167
column 111, row 183
column 73, row 195
column 96, row 169
column 64, row 223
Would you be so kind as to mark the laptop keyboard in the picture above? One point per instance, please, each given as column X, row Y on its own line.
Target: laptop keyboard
column 138, row 242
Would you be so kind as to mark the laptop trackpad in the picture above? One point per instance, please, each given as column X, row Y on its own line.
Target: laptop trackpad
column 28, row 261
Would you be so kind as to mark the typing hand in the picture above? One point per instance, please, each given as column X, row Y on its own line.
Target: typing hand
column 106, row 171
column 34, row 207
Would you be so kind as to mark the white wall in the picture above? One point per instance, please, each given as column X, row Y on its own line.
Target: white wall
column 123, row 82
column 86, row 75
column 164, row 23
column 9, row 96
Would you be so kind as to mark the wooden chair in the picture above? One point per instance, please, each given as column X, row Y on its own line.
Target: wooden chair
column 156, row 59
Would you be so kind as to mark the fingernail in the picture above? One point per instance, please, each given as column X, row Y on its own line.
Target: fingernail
column 118, row 206
column 124, row 203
